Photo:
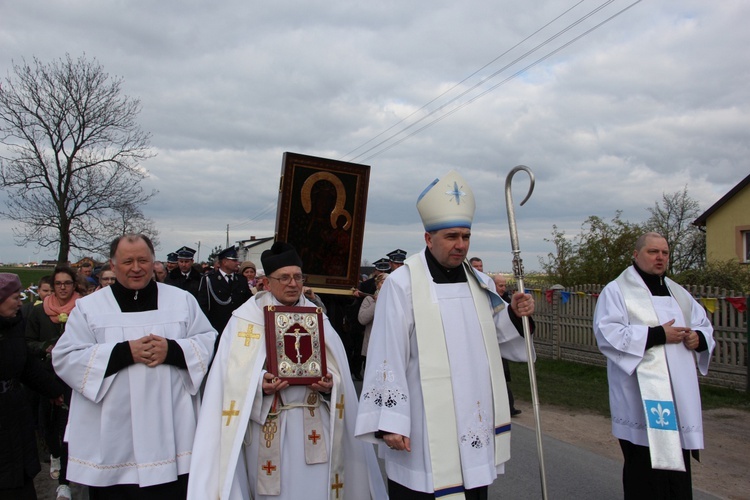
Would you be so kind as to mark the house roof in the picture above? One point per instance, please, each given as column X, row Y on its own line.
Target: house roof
column 254, row 242
column 701, row 220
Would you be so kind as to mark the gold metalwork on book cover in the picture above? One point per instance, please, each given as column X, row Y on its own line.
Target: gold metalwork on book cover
column 295, row 344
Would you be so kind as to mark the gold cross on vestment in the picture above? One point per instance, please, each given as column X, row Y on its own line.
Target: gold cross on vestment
column 340, row 406
column 248, row 335
column 269, row 468
column 337, row 485
column 314, row 437
column 231, row 412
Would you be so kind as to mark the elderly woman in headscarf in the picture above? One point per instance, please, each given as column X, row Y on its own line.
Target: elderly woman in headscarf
column 19, row 462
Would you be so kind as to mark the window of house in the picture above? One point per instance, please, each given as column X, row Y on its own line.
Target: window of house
column 746, row 245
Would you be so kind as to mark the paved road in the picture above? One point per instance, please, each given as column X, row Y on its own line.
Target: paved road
column 571, row 472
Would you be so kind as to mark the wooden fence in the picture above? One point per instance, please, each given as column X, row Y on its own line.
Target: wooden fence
column 564, row 318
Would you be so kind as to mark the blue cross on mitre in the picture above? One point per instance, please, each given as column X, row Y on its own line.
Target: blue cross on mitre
column 456, row 193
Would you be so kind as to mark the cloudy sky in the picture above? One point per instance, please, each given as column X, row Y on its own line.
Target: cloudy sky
column 610, row 103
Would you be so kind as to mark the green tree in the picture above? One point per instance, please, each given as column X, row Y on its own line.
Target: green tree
column 559, row 265
column 72, row 155
column 730, row 275
column 597, row 255
column 673, row 218
column 605, row 249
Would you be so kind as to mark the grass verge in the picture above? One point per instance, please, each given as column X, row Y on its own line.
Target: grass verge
column 584, row 387
column 28, row 275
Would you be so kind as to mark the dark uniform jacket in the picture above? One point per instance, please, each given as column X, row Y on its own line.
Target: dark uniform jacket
column 190, row 284
column 18, row 448
column 218, row 298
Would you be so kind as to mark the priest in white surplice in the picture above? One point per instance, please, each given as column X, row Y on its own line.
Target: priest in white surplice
column 134, row 354
column 652, row 332
column 258, row 437
column 434, row 391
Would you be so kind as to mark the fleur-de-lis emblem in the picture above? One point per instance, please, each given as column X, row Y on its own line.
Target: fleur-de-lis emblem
column 661, row 413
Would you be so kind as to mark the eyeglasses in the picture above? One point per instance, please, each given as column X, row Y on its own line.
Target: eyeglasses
column 287, row 278
column 61, row 284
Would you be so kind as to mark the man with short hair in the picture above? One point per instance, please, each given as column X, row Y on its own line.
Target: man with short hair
column 501, row 285
column 653, row 332
column 477, row 264
column 160, row 271
column 135, row 354
column 43, row 289
column 434, row 394
column 222, row 291
column 185, row 276
column 86, row 269
column 259, row 437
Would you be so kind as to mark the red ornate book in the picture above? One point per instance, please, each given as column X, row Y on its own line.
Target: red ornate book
column 295, row 344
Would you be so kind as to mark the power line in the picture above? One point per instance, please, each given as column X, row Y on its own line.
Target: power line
column 457, row 84
column 483, row 81
column 247, row 222
column 460, row 106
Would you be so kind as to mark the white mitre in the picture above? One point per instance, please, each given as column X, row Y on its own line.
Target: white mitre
column 447, row 202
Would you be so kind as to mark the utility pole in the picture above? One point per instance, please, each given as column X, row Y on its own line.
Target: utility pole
column 198, row 258
column 227, row 237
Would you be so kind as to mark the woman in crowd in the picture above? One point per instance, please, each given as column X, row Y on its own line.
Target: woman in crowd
column 106, row 277
column 367, row 314
column 248, row 270
column 45, row 325
column 19, row 462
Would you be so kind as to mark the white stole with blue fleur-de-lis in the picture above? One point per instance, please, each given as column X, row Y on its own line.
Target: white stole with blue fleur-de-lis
column 653, row 377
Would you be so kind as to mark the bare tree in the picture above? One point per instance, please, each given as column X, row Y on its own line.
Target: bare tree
column 129, row 220
column 672, row 218
column 71, row 156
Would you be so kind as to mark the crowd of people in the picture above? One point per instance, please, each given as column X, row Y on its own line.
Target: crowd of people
column 148, row 379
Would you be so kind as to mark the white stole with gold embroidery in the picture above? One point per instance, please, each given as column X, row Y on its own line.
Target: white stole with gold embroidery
column 248, row 348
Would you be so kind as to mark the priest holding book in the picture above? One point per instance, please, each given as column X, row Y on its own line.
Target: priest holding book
column 263, row 432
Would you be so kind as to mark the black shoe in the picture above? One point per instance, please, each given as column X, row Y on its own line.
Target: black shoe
column 515, row 412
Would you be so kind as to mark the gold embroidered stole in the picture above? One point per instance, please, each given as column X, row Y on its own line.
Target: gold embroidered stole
column 242, row 377
column 437, row 387
column 652, row 372
column 338, row 412
column 248, row 348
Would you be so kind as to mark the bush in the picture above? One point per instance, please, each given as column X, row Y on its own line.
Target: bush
column 729, row 274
